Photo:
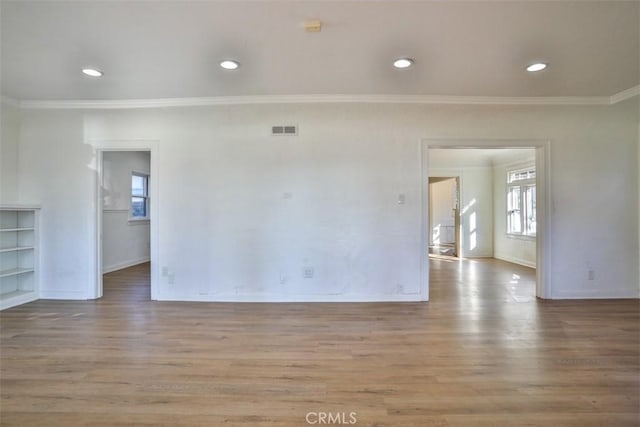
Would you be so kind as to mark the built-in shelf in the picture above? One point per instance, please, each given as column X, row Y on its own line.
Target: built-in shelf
column 15, row 271
column 20, row 248
column 18, row 255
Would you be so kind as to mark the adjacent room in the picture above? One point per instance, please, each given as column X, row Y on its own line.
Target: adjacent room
column 288, row 213
column 482, row 210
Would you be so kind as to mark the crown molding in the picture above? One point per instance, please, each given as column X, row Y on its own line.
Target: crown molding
column 323, row 99
column 625, row 94
column 313, row 99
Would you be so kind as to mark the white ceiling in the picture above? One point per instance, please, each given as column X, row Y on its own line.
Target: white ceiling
column 160, row 49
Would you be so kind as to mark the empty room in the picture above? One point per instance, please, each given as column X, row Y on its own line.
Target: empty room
column 319, row 212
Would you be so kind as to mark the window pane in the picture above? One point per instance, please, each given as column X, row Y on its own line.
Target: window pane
column 138, row 185
column 513, row 211
column 521, row 175
column 138, row 207
column 530, row 210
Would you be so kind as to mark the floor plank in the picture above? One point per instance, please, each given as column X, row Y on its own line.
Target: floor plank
column 482, row 352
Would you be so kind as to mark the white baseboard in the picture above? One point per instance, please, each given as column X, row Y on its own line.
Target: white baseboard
column 270, row 298
column 599, row 294
column 71, row 295
column 515, row 260
column 124, row 264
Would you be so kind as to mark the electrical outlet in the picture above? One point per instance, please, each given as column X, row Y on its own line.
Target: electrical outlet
column 307, row 272
column 165, row 271
column 591, row 275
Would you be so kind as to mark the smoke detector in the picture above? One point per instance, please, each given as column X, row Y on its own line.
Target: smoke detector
column 313, row 26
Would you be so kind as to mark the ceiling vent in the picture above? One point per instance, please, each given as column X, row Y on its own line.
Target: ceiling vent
column 284, row 130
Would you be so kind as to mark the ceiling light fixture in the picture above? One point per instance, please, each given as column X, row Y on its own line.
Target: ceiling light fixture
column 229, row 64
column 538, row 66
column 92, row 72
column 403, row 63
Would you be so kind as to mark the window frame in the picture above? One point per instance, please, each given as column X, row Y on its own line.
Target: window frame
column 146, row 198
column 523, row 184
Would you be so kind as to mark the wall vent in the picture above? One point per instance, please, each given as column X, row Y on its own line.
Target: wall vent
column 284, row 130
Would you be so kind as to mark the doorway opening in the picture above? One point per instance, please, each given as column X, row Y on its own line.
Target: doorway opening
column 126, row 229
column 488, row 200
column 444, row 216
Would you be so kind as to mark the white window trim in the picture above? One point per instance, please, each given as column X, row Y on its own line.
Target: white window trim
column 522, row 184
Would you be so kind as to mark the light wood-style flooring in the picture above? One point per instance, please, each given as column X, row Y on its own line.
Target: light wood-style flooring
column 482, row 352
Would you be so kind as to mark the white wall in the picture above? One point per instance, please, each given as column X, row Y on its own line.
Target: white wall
column 519, row 250
column 476, row 202
column 124, row 242
column 9, row 138
column 229, row 232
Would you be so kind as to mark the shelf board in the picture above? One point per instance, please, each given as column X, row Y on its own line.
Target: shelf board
column 19, row 207
column 23, row 248
column 14, row 294
column 15, row 272
column 11, row 299
column 17, row 229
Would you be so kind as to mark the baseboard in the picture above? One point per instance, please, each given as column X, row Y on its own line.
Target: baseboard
column 125, row 264
column 598, row 294
column 70, row 295
column 515, row 260
column 270, row 298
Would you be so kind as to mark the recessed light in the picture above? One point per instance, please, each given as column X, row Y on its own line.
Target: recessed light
column 403, row 63
column 538, row 66
column 229, row 64
column 92, row 72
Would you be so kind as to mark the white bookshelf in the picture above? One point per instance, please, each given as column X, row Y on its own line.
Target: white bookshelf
column 18, row 254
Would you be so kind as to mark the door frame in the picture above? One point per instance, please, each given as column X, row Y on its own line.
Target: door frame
column 544, row 285
column 96, row 290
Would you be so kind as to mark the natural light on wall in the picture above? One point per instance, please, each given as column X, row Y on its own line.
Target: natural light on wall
column 473, row 243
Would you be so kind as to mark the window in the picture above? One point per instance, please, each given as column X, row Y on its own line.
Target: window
column 521, row 202
column 139, row 196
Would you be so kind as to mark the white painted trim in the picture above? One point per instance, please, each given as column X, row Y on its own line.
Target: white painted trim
column 71, row 295
column 18, row 300
column 544, row 288
column 320, row 99
column 20, row 206
column 599, row 294
column 125, row 264
column 515, row 260
column 313, row 99
column 544, row 250
column 424, row 222
column 625, row 94
column 279, row 298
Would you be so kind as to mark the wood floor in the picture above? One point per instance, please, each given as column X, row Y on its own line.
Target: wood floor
column 482, row 352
